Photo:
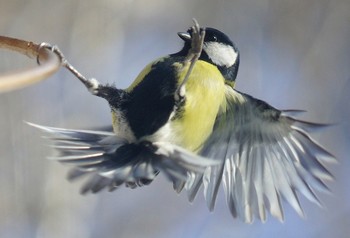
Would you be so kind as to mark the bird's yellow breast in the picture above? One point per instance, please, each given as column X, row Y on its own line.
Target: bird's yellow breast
column 205, row 93
column 192, row 124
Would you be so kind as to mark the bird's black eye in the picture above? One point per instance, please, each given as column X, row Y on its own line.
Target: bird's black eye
column 215, row 38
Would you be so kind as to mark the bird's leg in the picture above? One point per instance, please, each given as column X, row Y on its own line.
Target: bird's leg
column 197, row 39
column 91, row 84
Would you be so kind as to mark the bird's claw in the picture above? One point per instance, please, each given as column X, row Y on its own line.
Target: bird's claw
column 91, row 84
column 198, row 35
column 54, row 49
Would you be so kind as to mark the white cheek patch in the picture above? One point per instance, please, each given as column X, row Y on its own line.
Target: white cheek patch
column 220, row 54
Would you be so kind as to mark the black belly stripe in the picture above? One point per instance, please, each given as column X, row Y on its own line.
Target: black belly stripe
column 151, row 102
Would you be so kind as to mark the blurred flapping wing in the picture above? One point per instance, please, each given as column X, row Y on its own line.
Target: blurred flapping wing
column 266, row 155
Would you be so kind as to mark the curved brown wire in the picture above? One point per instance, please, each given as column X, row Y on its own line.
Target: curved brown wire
column 49, row 64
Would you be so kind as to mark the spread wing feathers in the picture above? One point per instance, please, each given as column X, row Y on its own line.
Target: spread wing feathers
column 265, row 155
column 110, row 161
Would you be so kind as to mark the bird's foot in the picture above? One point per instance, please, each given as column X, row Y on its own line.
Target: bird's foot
column 91, row 84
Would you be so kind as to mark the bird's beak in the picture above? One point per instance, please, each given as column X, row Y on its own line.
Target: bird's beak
column 184, row 35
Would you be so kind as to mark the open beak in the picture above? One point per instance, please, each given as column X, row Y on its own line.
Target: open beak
column 184, row 35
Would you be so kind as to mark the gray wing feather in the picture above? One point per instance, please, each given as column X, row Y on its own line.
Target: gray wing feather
column 265, row 155
column 110, row 161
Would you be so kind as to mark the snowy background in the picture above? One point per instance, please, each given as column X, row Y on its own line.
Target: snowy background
column 294, row 54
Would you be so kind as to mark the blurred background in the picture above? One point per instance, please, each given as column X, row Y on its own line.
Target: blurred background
column 294, row 54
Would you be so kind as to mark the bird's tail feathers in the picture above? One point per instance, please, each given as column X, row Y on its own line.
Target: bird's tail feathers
column 110, row 161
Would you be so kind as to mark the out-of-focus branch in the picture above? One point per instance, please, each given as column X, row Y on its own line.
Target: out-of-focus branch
column 16, row 80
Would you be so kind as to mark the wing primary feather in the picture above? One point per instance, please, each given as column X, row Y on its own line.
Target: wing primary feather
column 310, row 127
column 292, row 112
column 312, row 164
column 285, row 187
column 79, row 159
column 317, row 149
column 86, row 134
column 212, row 180
column 303, row 173
column 193, row 188
column 238, row 191
column 73, row 147
column 312, row 180
column 228, row 181
column 94, row 184
column 258, row 185
column 271, row 192
column 75, row 173
column 178, row 186
column 296, row 180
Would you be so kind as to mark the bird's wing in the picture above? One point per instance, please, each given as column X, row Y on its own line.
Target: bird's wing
column 266, row 155
column 110, row 161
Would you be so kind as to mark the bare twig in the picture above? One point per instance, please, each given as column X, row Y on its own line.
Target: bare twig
column 22, row 78
column 194, row 53
column 91, row 84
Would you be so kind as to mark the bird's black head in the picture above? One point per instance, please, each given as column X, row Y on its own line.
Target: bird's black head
column 218, row 49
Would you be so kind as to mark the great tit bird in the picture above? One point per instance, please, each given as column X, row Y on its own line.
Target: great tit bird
column 214, row 135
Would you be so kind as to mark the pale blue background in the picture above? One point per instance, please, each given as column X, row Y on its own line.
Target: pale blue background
column 294, row 54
